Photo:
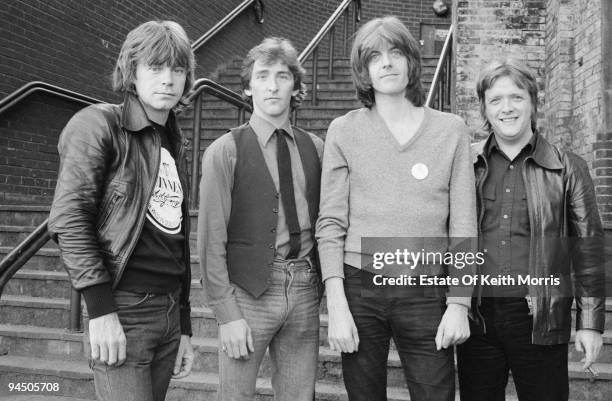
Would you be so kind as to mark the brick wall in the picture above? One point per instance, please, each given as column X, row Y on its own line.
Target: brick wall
column 487, row 30
column 74, row 44
column 411, row 12
column 562, row 41
column 603, row 165
column 28, row 148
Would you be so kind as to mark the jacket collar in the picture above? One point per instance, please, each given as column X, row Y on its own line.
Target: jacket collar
column 134, row 117
column 545, row 154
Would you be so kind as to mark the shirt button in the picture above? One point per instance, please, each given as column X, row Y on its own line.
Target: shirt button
column 275, row 210
column 271, row 246
column 291, row 264
column 505, row 216
column 277, row 195
column 503, row 242
column 507, row 189
column 273, row 230
column 511, row 167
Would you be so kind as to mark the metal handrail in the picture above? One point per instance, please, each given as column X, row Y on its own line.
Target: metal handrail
column 331, row 21
column 223, row 93
column 226, row 20
column 38, row 86
column 444, row 61
column 329, row 28
column 24, row 251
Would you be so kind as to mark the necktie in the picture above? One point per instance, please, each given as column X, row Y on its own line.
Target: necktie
column 285, row 179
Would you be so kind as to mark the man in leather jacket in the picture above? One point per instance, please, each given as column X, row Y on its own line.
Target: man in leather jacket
column 538, row 219
column 120, row 218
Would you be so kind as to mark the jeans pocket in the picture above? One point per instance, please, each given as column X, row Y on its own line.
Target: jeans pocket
column 126, row 300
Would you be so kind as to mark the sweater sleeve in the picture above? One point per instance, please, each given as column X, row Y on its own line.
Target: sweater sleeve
column 332, row 224
column 462, row 227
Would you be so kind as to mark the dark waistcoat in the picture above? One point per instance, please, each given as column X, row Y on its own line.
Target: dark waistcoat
column 251, row 232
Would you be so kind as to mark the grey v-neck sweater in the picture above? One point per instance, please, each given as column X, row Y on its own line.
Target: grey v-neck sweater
column 372, row 186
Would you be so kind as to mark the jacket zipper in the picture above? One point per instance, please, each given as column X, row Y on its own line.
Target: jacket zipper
column 144, row 208
column 480, row 217
column 533, row 221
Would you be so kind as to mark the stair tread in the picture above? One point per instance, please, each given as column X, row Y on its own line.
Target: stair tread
column 196, row 380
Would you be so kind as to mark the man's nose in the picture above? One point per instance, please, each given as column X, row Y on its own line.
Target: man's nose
column 271, row 84
column 506, row 104
column 166, row 76
column 385, row 59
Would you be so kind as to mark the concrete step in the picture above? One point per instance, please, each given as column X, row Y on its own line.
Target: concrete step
column 12, row 235
column 45, row 312
column 20, row 340
column 45, row 259
column 56, row 285
column 75, row 379
column 18, row 215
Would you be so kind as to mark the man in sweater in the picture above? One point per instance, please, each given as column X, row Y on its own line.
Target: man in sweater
column 539, row 219
column 259, row 199
column 119, row 215
column 392, row 169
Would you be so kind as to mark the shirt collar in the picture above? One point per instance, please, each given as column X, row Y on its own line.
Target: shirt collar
column 134, row 117
column 264, row 129
column 529, row 146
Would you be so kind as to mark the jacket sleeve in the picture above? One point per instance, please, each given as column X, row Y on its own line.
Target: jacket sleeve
column 84, row 148
column 585, row 229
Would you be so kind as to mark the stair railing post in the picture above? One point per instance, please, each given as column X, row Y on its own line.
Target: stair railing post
column 195, row 151
column 330, row 67
column 315, row 73
column 75, row 311
column 354, row 17
column 345, row 36
column 449, row 78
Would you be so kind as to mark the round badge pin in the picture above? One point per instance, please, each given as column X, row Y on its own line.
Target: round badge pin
column 419, row 171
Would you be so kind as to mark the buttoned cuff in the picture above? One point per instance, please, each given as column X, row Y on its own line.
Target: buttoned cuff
column 227, row 311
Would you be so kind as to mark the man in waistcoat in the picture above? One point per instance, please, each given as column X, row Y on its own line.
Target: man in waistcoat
column 259, row 198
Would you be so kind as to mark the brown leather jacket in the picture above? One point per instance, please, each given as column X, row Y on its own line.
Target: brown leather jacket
column 109, row 163
column 566, row 240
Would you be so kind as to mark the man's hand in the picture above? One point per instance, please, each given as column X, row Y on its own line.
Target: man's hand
column 454, row 327
column 235, row 339
column 342, row 332
column 184, row 358
column 107, row 339
column 589, row 342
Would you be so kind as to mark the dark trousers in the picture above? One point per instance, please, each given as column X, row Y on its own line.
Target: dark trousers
column 412, row 321
column 539, row 372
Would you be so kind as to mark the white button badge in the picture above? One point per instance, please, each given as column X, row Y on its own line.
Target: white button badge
column 419, row 171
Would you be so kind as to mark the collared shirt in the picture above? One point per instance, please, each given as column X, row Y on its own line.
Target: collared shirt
column 216, row 185
column 505, row 226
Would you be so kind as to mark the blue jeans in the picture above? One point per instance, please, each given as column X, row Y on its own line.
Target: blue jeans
column 285, row 318
column 484, row 360
column 411, row 318
column 152, row 330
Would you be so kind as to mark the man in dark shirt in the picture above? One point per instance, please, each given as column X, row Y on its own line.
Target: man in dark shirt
column 120, row 218
column 259, row 200
column 537, row 219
